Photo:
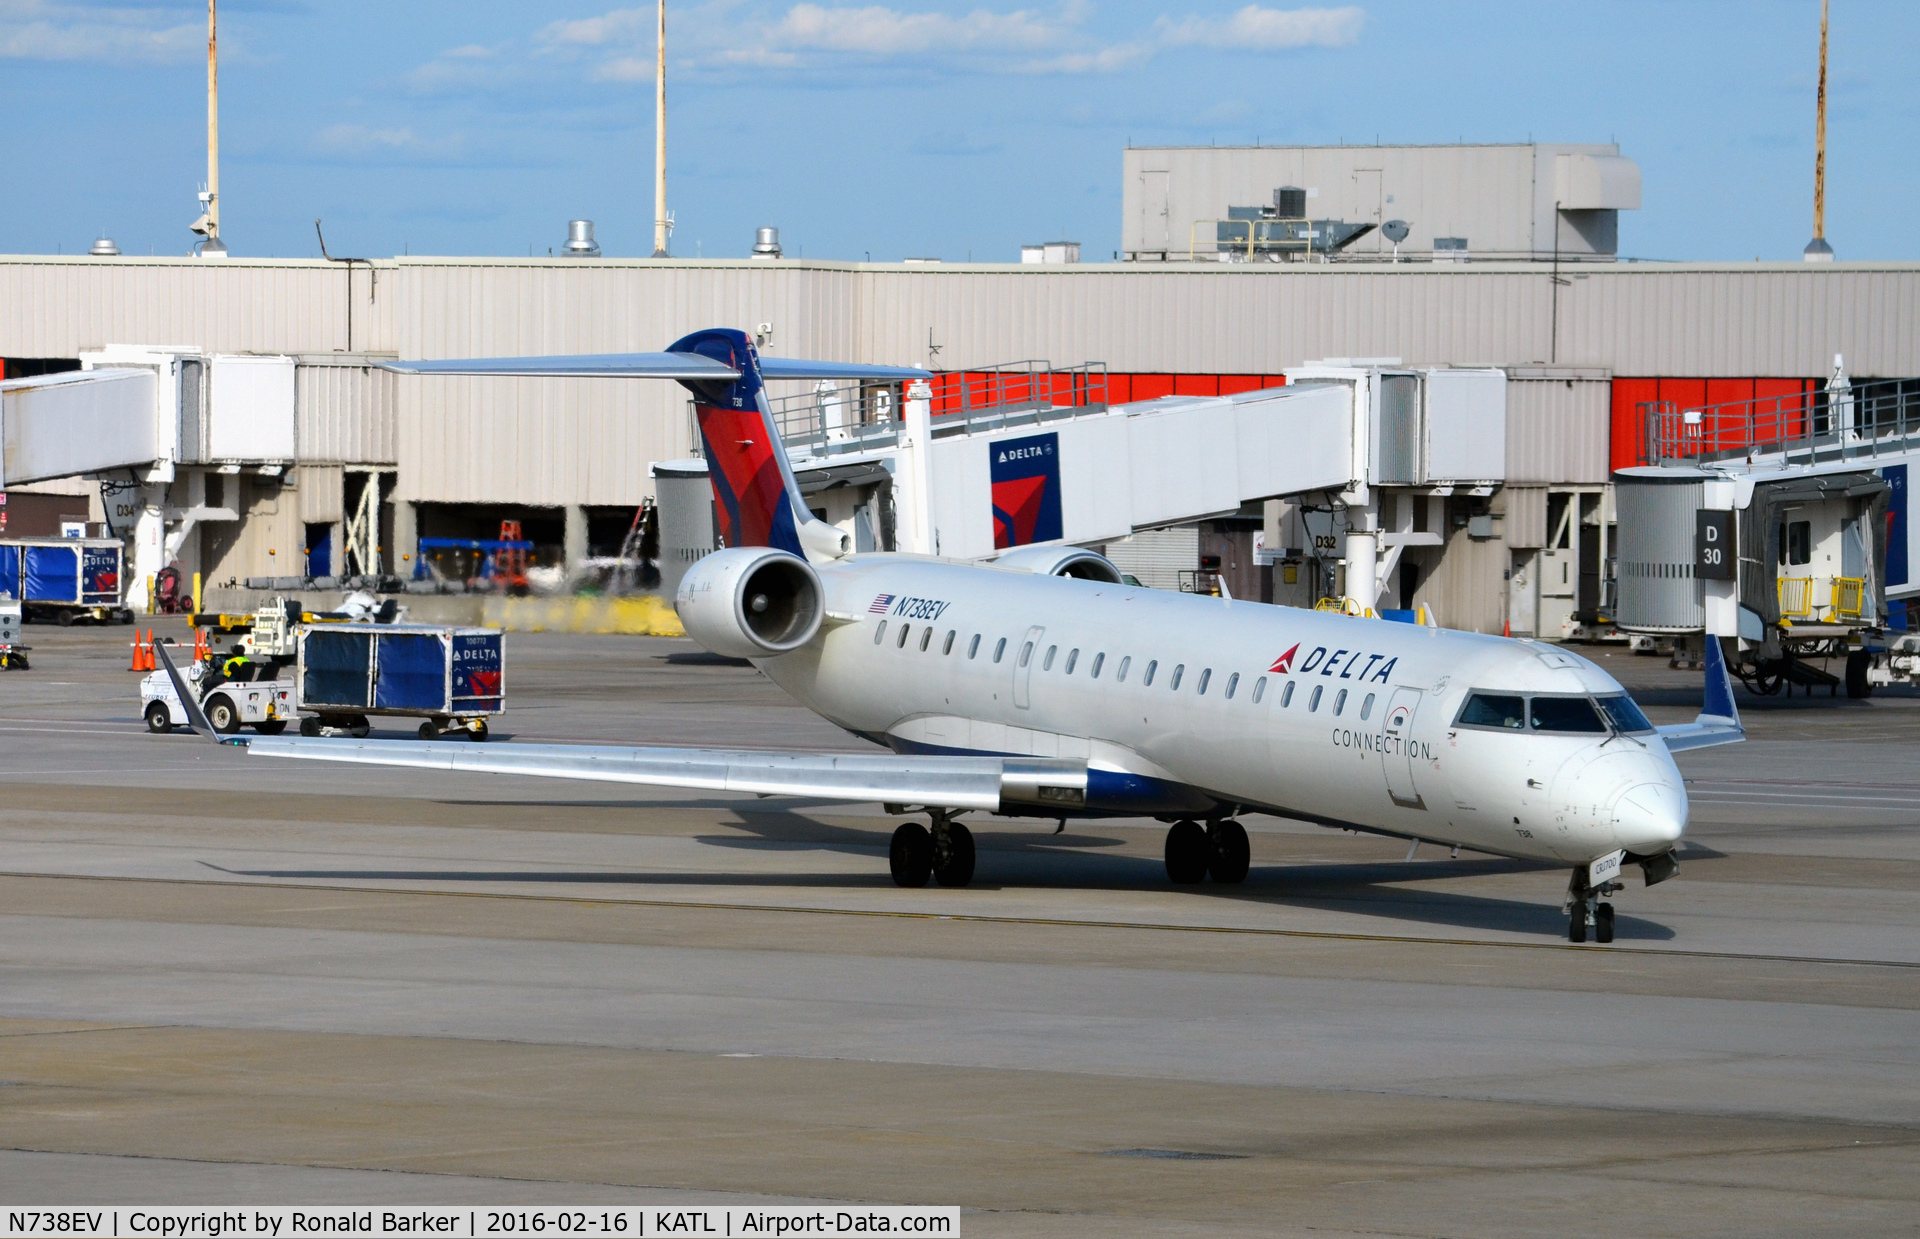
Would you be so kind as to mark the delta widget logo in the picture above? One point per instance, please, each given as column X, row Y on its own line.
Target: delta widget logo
column 1025, row 475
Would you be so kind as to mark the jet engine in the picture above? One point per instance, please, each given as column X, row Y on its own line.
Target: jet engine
column 1070, row 561
column 751, row 601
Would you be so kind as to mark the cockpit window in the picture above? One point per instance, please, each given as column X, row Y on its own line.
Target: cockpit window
column 1494, row 710
column 1565, row 714
column 1624, row 714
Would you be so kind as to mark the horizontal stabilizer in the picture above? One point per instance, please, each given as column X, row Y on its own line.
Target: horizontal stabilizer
column 1719, row 720
column 942, row 781
column 590, row 366
column 775, row 368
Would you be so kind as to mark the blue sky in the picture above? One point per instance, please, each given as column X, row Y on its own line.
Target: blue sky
column 862, row 130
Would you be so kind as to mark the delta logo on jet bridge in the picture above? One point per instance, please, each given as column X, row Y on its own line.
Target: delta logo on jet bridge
column 1025, row 476
column 1340, row 661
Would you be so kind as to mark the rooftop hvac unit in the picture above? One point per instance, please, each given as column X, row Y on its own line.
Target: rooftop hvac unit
column 766, row 243
column 1290, row 202
column 580, row 242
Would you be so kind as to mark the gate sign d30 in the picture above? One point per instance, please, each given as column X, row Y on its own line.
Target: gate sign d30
column 1713, row 554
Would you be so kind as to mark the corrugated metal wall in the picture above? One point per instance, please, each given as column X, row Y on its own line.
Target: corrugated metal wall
column 321, row 491
column 1157, row 557
column 345, row 409
column 1557, row 425
column 1526, row 523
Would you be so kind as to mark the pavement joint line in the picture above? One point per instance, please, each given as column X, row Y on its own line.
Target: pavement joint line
column 985, row 919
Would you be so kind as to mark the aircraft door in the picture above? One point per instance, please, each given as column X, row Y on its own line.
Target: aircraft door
column 1397, row 757
column 1023, row 660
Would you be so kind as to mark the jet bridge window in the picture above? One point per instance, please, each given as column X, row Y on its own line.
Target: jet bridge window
column 1796, row 542
column 1623, row 713
column 1494, row 710
column 1574, row 714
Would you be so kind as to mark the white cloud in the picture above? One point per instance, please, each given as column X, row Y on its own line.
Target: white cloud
column 1266, row 30
column 50, row 30
column 618, row 26
column 876, row 30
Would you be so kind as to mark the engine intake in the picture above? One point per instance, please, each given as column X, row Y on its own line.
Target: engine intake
column 1070, row 561
column 750, row 602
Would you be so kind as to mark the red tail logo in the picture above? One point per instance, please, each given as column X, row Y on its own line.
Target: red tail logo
column 1284, row 663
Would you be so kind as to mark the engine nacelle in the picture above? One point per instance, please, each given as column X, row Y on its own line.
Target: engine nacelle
column 1073, row 561
column 751, row 601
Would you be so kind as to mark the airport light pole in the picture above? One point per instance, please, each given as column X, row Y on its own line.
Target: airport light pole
column 208, row 225
column 660, row 221
column 1817, row 249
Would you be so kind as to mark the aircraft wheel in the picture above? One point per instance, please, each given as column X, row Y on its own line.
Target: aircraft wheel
column 910, row 856
column 271, row 727
column 955, row 867
column 310, row 725
column 222, row 715
column 1577, row 923
column 1603, row 923
column 1857, row 664
column 159, row 718
column 1228, row 855
column 1186, row 853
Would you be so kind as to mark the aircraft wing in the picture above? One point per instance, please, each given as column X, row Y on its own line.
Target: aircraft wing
column 989, row 783
column 1719, row 721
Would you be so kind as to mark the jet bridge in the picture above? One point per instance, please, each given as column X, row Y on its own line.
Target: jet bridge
column 921, row 470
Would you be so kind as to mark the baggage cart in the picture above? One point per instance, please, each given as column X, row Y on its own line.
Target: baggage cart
column 452, row 679
column 65, row 579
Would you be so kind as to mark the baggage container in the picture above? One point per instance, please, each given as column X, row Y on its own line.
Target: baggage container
column 451, row 678
column 65, row 579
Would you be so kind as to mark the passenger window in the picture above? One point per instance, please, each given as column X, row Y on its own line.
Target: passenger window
column 1048, row 664
column 1205, row 675
column 1340, row 701
column 1121, row 675
column 1565, row 714
column 973, row 646
column 906, row 630
column 1026, row 653
column 1259, row 689
column 1313, row 702
column 999, row 648
column 1233, row 682
column 1098, row 659
column 1146, row 681
column 1179, row 670
column 926, row 638
column 880, row 633
column 1286, row 695
column 1494, row 710
column 1073, row 656
column 947, row 646
column 1366, row 708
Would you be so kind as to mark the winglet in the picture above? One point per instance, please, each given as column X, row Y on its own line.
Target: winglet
column 196, row 717
column 1718, row 707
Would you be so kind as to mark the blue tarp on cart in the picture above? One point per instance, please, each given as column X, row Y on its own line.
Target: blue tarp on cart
column 53, row 574
column 412, row 672
column 338, row 669
column 10, row 571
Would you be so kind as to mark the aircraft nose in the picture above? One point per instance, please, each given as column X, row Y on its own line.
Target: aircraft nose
column 1650, row 818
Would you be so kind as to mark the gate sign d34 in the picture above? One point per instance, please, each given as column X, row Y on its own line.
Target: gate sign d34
column 1713, row 552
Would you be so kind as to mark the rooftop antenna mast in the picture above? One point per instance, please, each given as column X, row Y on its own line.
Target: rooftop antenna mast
column 1817, row 249
column 208, row 225
column 662, row 225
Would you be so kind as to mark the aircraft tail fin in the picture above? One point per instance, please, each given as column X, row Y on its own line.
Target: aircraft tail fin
column 1719, row 721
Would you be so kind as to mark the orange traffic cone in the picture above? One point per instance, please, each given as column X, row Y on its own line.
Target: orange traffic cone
column 138, row 652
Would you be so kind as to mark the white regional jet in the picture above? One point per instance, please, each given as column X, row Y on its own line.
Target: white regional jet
column 1041, row 685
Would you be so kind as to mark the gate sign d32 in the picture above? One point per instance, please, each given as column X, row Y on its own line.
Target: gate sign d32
column 1713, row 556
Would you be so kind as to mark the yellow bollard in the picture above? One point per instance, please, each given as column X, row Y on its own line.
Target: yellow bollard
column 196, row 593
column 151, row 604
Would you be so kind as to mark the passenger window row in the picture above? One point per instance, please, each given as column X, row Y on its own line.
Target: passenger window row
column 1099, row 662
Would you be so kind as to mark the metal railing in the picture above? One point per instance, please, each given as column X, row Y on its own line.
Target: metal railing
column 1849, row 596
column 1796, row 597
column 837, row 418
column 1859, row 421
column 1846, row 597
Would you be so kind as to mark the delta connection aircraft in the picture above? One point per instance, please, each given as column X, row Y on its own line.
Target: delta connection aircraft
column 1041, row 685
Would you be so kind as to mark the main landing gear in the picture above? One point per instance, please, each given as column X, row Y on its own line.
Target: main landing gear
column 1586, row 912
column 944, row 853
column 1218, row 849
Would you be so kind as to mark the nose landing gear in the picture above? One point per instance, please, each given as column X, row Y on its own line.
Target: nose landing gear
column 1585, row 911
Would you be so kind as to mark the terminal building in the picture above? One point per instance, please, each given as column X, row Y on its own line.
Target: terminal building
column 276, row 449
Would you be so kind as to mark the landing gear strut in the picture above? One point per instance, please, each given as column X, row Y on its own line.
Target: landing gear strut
column 944, row 853
column 1585, row 911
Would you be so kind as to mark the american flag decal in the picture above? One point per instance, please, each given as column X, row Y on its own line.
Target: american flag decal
column 880, row 605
